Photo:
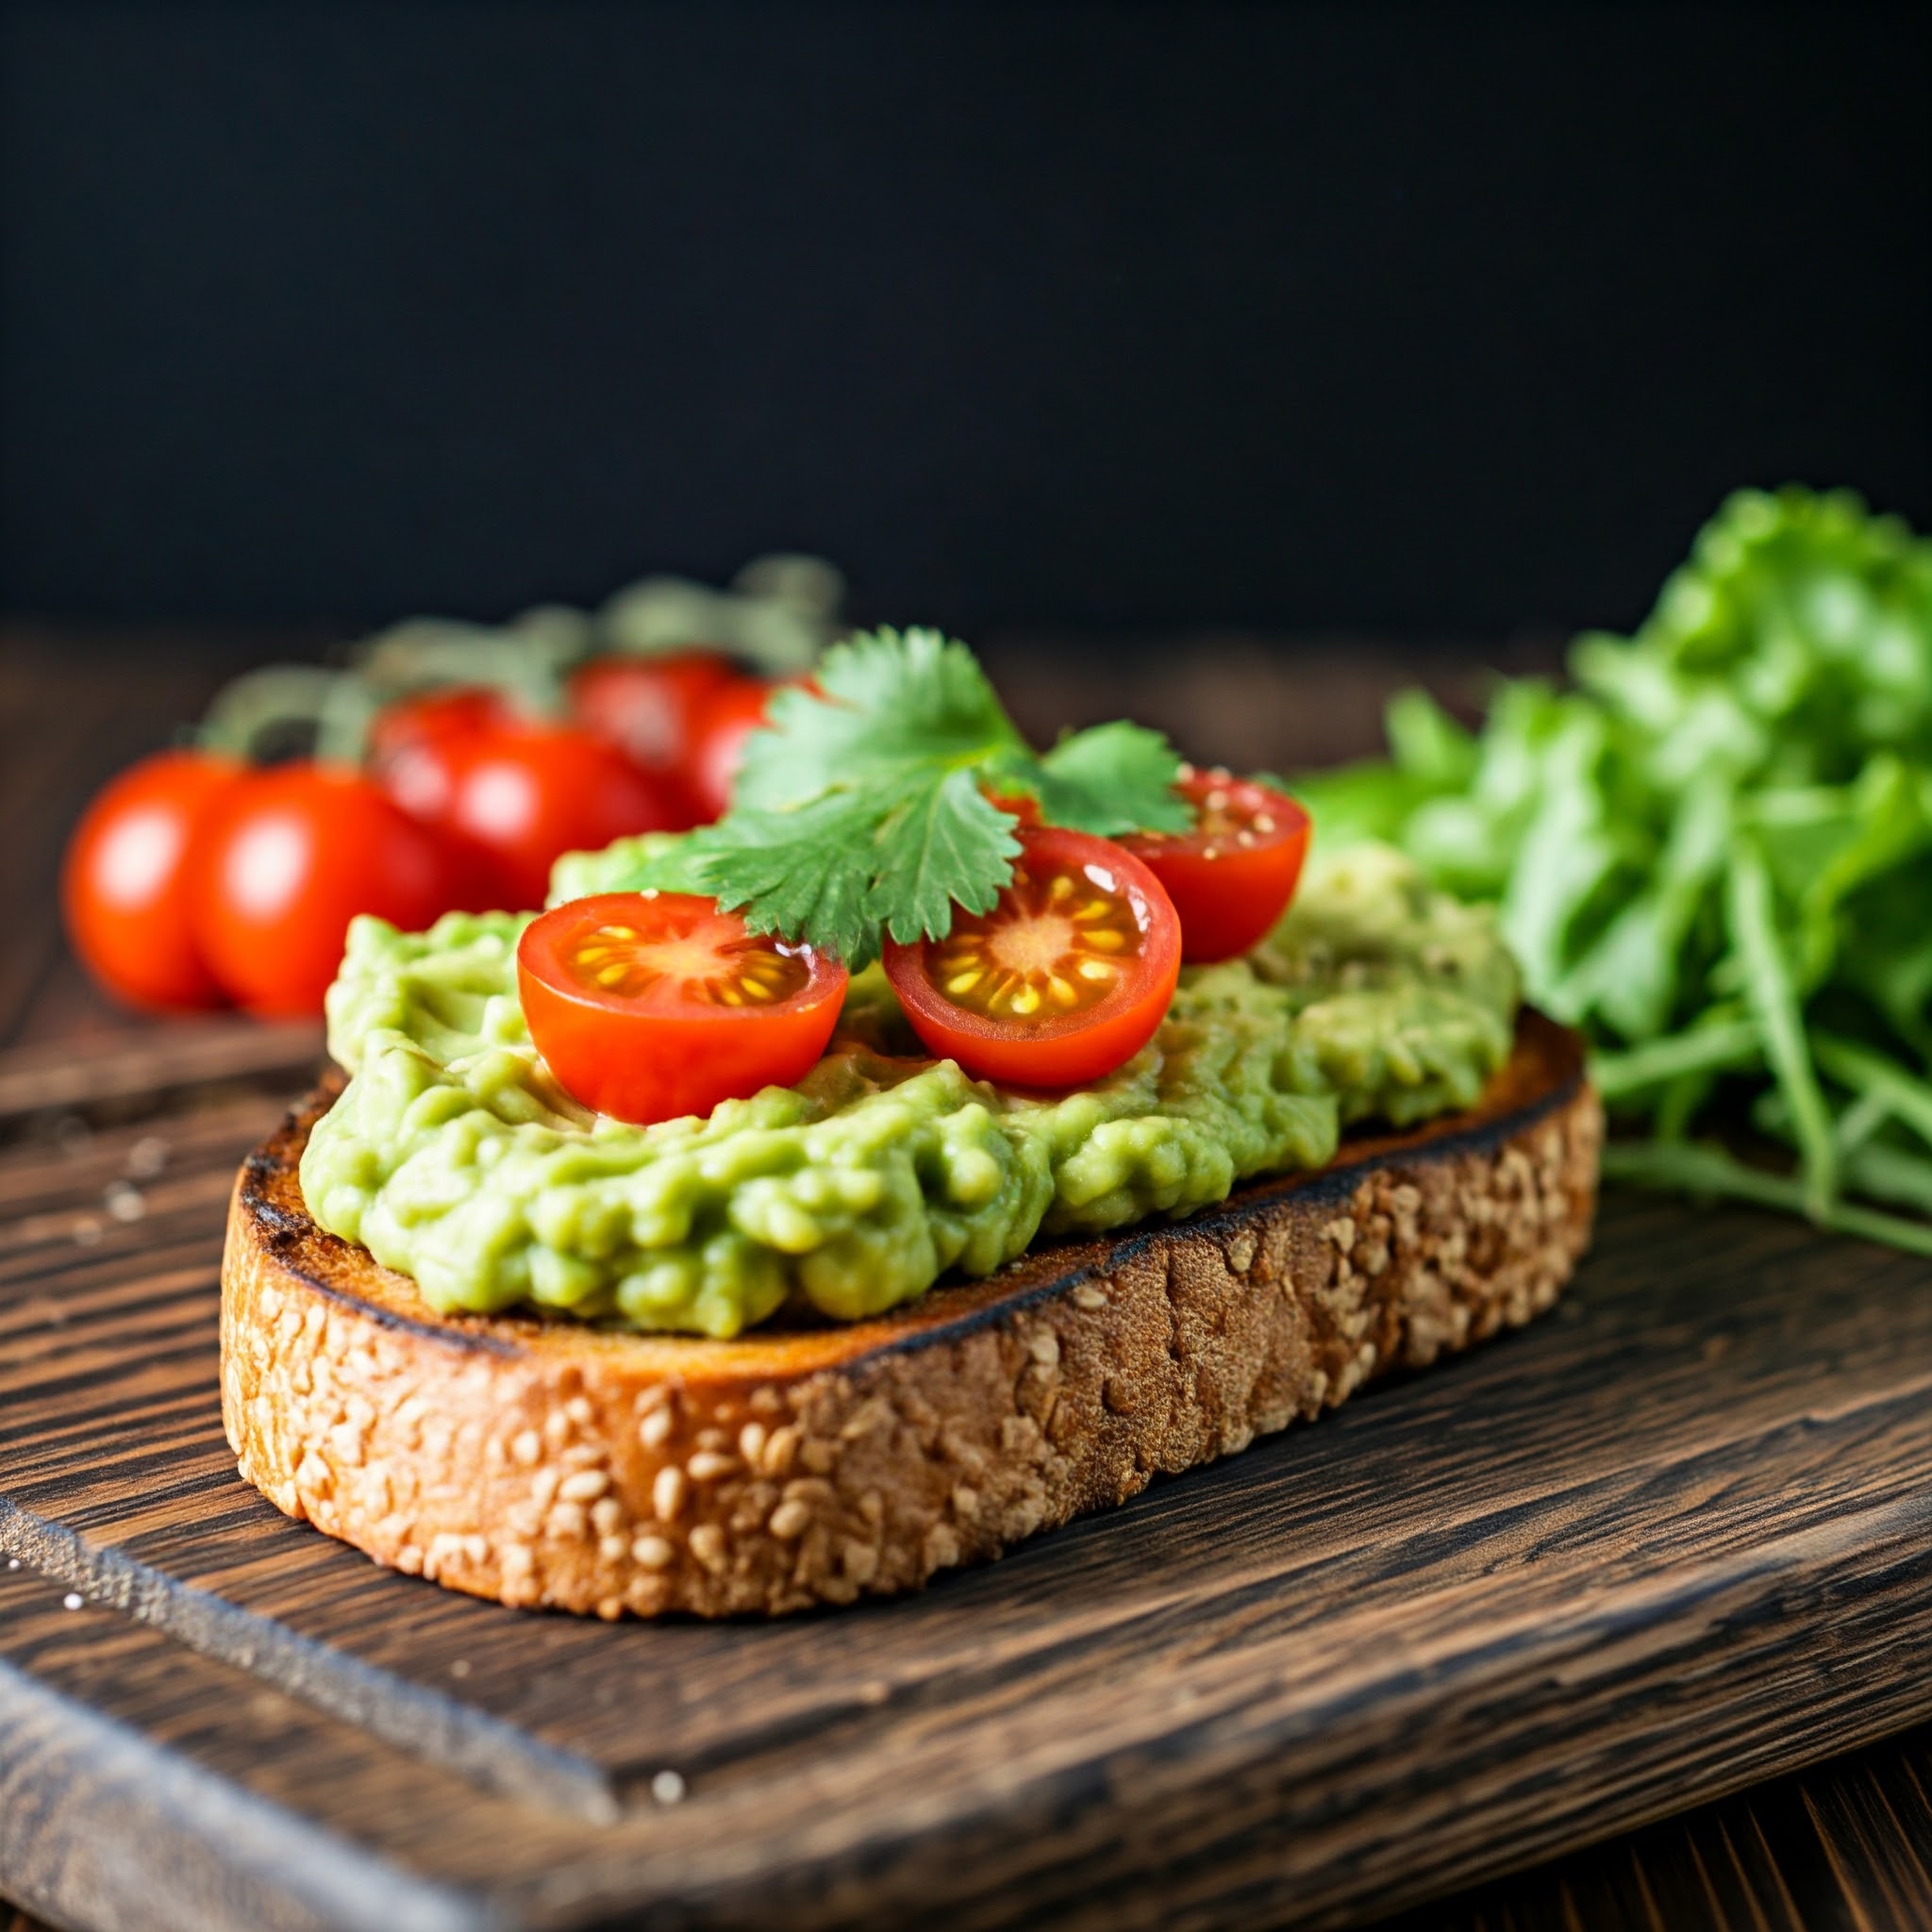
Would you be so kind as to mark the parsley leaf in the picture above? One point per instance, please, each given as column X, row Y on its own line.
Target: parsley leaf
column 861, row 806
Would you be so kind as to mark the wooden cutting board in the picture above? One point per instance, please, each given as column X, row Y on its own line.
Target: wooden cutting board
column 1670, row 1540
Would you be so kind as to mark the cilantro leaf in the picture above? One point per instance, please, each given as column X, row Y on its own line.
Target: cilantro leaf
column 947, row 845
column 1113, row 778
column 790, row 872
column 889, row 705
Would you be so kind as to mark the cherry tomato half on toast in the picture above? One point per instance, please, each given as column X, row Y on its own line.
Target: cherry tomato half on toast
column 651, row 1006
column 1233, row 875
column 1065, row 978
column 123, row 881
column 290, row 855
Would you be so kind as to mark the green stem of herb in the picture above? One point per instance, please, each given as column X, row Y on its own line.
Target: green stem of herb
column 1702, row 1050
column 1883, row 1080
column 1710, row 1172
column 1860, row 1122
column 1775, row 1001
column 1889, row 1173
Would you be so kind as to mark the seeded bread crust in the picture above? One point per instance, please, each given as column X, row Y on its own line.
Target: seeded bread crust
column 547, row 1463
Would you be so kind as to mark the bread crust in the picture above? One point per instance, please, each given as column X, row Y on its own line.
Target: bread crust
column 545, row 1463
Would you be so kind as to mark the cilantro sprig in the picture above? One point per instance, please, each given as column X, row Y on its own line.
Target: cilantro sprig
column 862, row 807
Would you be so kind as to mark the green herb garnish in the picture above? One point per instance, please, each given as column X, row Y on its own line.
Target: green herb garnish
column 862, row 807
column 1715, row 854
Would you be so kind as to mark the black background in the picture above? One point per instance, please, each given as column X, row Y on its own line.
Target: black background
column 1449, row 322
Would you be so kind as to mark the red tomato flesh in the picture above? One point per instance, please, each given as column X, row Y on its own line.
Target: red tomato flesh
column 1234, row 874
column 292, row 854
column 123, row 882
column 651, row 1006
column 1064, row 980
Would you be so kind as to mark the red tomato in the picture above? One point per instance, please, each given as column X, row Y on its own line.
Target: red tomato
column 650, row 707
column 1018, row 805
column 121, row 882
column 526, row 793
column 650, row 1007
column 1233, row 875
column 728, row 716
column 290, row 855
column 409, row 741
column 1064, row 980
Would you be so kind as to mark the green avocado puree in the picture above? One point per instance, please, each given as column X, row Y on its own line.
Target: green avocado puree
column 454, row 1156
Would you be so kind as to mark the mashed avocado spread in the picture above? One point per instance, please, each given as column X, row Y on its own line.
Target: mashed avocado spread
column 455, row 1157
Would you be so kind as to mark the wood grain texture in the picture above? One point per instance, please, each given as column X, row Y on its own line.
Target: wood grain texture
column 1845, row 1847
column 1669, row 1542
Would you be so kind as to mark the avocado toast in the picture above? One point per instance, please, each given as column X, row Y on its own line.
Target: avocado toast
column 662, row 1252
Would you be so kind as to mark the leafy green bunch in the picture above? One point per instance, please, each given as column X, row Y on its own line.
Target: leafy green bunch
column 1714, row 852
column 867, row 805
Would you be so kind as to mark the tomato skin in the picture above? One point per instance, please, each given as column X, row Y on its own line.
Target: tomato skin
column 1063, row 1051
column 123, row 877
column 1018, row 805
column 1228, row 893
column 661, row 1057
column 728, row 716
column 409, row 742
column 650, row 707
column 290, row 855
column 524, row 793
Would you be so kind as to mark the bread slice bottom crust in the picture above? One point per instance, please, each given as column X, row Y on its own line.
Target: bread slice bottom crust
column 544, row 1462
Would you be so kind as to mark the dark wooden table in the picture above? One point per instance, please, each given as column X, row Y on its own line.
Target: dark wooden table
column 1847, row 1843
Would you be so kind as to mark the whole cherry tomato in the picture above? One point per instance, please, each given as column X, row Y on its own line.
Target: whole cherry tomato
column 1233, row 875
column 290, row 856
column 524, row 793
column 1064, row 980
column 728, row 716
column 410, row 739
column 648, row 1008
column 122, row 887
column 650, row 707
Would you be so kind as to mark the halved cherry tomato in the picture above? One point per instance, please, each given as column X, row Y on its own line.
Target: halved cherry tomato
column 1018, row 805
column 409, row 742
column 121, row 880
column 1233, row 875
column 650, row 707
column 290, row 856
column 526, row 793
column 650, row 1006
column 1064, row 980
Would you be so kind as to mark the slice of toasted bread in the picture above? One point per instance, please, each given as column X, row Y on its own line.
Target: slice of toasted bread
column 546, row 1462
